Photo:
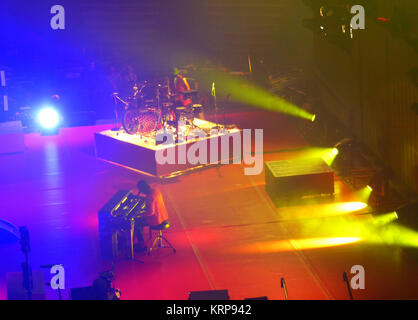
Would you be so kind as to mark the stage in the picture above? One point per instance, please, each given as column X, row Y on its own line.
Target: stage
column 140, row 152
column 227, row 231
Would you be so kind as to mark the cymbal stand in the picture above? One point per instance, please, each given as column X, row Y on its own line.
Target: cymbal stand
column 116, row 97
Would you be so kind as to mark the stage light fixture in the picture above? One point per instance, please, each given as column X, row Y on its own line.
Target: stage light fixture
column 329, row 155
column 344, row 143
column 49, row 120
column 364, row 194
column 346, row 153
column 384, row 219
column 313, row 118
column 407, row 215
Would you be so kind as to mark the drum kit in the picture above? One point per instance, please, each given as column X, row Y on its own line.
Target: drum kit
column 151, row 106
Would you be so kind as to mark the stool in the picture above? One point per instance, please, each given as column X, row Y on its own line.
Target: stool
column 160, row 240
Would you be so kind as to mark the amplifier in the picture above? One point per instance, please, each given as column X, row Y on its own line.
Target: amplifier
column 209, row 295
column 290, row 179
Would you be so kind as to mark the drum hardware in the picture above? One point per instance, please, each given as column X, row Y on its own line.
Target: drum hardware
column 146, row 115
column 116, row 98
column 116, row 95
column 189, row 93
column 139, row 111
column 197, row 109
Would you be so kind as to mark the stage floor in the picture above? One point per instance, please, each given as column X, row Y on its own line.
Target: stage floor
column 227, row 232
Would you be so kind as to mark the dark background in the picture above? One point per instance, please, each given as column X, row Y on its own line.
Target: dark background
column 151, row 35
column 156, row 33
column 369, row 83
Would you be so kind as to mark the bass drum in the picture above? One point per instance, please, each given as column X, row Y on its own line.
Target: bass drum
column 130, row 121
column 142, row 122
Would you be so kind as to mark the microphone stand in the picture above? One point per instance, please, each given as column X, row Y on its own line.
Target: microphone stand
column 228, row 99
column 59, row 294
column 216, row 105
column 283, row 285
column 116, row 112
column 116, row 97
column 26, row 269
column 49, row 266
column 345, row 278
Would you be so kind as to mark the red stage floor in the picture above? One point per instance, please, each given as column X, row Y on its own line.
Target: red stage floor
column 227, row 232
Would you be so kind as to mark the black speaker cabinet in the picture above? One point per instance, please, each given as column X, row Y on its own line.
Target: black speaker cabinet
column 83, row 293
column 209, row 295
column 291, row 179
column 15, row 290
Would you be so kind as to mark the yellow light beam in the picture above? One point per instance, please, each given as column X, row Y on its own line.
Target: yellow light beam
column 244, row 91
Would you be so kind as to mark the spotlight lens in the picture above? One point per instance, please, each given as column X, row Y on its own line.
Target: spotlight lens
column 370, row 188
column 48, row 118
column 335, row 151
column 313, row 117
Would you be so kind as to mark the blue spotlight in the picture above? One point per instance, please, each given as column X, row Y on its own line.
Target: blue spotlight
column 49, row 119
